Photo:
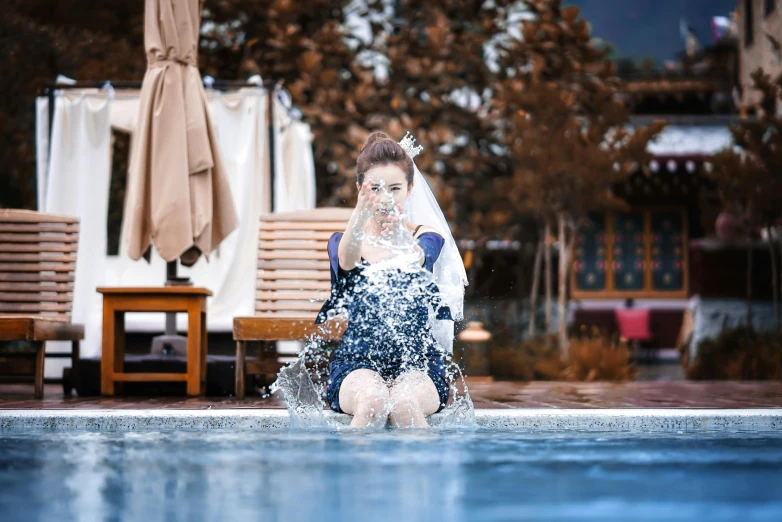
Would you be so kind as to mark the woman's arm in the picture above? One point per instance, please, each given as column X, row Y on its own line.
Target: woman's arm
column 423, row 230
column 349, row 249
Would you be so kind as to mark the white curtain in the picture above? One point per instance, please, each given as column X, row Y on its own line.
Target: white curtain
column 298, row 168
column 124, row 110
column 243, row 139
column 77, row 184
column 280, row 187
column 41, row 148
column 241, row 122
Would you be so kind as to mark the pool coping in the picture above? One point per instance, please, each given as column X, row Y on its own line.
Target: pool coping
column 608, row 419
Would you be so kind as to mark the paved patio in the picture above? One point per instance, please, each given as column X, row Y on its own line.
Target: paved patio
column 490, row 395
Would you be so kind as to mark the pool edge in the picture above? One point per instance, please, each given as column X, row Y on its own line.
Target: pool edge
column 624, row 419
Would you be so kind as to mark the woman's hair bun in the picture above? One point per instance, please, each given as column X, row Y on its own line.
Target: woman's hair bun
column 380, row 149
column 375, row 137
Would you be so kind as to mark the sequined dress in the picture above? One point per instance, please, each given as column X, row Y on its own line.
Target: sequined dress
column 389, row 319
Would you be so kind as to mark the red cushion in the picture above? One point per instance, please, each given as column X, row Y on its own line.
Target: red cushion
column 634, row 323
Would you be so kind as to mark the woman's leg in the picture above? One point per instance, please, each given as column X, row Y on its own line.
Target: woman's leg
column 413, row 397
column 364, row 394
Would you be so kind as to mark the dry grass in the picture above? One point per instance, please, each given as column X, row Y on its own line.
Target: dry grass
column 535, row 359
column 599, row 359
column 738, row 354
column 593, row 357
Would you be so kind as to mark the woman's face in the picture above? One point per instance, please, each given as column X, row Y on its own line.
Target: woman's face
column 390, row 181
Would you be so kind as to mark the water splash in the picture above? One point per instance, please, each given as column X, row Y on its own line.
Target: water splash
column 307, row 409
column 460, row 413
column 302, row 397
column 394, row 301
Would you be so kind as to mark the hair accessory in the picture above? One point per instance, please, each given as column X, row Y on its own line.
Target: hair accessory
column 408, row 144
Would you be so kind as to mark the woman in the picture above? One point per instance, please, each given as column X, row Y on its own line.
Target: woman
column 389, row 364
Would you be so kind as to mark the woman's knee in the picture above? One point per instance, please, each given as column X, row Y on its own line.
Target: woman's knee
column 402, row 402
column 406, row 412
column 373, row 400
column 414, row 392
column 359, row 387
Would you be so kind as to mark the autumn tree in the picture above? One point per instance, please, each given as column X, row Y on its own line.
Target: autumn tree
column 749, row 178
column 40, row 39
column 310, row 49
column 414, row 66
column 439, row 86
column 561, row 117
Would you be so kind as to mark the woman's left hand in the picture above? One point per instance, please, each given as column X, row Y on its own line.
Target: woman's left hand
column 393, row 221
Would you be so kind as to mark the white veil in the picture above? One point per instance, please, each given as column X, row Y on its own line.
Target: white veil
column 422, row 208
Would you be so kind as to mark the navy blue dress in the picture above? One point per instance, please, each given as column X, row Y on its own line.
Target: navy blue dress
column 388, row 329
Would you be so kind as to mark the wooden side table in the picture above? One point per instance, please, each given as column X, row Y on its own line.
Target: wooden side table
column 117, row 301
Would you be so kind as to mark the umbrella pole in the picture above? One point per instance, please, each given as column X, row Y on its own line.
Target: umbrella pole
column 170, row 343
column 171, row 269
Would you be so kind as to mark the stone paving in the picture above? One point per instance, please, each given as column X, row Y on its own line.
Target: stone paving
column 485, row 394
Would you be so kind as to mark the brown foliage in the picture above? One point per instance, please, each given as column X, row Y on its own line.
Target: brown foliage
column 750, row 177
column 559, row 112
column 40, row 39
column 599, row 359
column 738, row 354
column 562, row 118
column 307, row 48
column 535, row 359
column 593, row 357
column 431, row 50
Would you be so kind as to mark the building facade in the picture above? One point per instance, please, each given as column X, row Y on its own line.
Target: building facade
column 663, row 253
column 760, row 42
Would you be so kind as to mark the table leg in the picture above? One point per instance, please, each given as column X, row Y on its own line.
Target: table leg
column 119, row 347
column 194, row 349
column 204, row 347
column 40, row 357
column 107, row 351
column 74, row 364
column 264, row 355
column 241, row 352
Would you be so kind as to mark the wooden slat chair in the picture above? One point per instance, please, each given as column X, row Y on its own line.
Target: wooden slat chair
column 37, row 265
column 293, row 280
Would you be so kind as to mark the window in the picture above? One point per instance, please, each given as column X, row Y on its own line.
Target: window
column 642, row 253
column 749, row 23
column 770, row 4
column 120, row 157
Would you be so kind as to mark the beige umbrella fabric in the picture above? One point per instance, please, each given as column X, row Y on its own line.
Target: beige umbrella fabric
column 178, row 197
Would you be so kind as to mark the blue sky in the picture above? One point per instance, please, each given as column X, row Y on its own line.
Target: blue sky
column 640, row 28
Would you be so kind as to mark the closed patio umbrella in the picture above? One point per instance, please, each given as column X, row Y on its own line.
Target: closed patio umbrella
column 178, row 197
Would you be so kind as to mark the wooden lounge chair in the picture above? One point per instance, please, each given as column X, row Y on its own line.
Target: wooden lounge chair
column 292, row 282
column 37, row 265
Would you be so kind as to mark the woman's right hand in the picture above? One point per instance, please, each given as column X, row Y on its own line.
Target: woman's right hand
column 349, row 250
column 366, row 202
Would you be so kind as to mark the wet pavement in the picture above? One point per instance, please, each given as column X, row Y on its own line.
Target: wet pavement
column 485, row 394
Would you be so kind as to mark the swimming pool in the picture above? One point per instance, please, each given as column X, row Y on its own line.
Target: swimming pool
column 481, row 474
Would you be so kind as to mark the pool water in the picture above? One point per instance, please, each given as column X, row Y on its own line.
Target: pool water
column 281, row 475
